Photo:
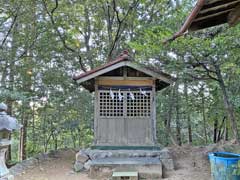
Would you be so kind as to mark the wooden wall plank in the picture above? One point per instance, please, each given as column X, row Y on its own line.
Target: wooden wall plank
column 112, row 82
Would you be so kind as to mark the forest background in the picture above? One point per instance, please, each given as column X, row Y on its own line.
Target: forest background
column 43, row 43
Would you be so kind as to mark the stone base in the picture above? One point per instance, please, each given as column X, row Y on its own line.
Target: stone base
column 164, row 155
column 149, row 164
column 147, row 168
column 8, row 177
column 3, row 168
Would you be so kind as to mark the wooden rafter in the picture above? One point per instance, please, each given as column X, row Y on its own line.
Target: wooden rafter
column 208, row 13
column 128, row 64
column 234, row 16
column 220, row 7
column 212, row 15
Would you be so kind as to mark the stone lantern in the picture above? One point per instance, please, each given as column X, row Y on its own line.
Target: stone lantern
column 7, row 125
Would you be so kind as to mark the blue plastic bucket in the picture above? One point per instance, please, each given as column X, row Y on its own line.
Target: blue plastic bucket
column 225, row 166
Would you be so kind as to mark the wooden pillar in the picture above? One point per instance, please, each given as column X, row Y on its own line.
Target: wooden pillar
column 154, row 117
column 96, row 112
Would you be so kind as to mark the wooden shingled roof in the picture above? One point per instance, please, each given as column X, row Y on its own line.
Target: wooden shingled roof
column 87, row 79
column 208, row 13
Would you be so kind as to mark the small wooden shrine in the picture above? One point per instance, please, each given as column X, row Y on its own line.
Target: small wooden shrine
column 125, row 101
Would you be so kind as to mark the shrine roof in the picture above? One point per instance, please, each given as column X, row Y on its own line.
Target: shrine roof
column 208, row 13
column 124, row 59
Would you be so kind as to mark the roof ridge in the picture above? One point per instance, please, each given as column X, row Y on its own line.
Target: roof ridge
column 124, row 56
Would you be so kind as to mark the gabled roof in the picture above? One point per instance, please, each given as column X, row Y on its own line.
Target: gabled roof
column 208, row 13
column 123, row 60
column 123, row 57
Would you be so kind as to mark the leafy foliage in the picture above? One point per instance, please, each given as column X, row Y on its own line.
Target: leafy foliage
column 43, row 43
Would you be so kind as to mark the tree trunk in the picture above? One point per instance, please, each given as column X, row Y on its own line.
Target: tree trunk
column 23, row 139
column 187, row 114
column 87, row 35
column 11, row 78
column 178, row 125
column 226, row 132
column 221, row 130
column 33, row 128
column 204, row 118
column 227, row 104
column 215, row 130
column 73, row 139
column 27, row 80
column 169, row 117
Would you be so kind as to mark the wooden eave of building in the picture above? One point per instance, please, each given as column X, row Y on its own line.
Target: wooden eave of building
column 209, row 13
column 87, row 79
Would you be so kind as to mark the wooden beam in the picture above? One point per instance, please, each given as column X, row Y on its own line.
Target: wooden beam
column 133, row 65
column 208, row 22
column 212, row 15
column 212, row 3
column 234, row 16
column 129, row 64
column 124, row 78
column 111, row 82
column 204, row 11
column 150, row 72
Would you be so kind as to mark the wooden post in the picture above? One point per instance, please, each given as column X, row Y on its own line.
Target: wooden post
column 96, row 112
column 125, row 72
column 154, row 117
column 125, row 138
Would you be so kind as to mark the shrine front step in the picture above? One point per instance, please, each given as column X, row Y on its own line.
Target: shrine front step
column 147, row 168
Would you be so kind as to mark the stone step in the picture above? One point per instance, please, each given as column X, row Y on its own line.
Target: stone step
column 147, row 167
column 97, row 154
column 131, row 175
column 130, row 161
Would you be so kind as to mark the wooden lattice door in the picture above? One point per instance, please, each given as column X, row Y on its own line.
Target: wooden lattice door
column 126, row 121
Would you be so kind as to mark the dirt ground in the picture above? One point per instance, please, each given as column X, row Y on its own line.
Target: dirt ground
column 191, row 164
column 59, row 168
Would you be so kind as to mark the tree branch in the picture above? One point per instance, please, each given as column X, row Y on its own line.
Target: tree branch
column 56, row 6
column 201, row 78
column 29, row 47
column 50, row 14
column 204, row 66
column 9, row 30
column 120, row 23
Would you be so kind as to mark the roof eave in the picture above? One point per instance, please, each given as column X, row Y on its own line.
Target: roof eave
column 188, row 21
column 131, row 64
column 149, row 72
column 100, row 72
